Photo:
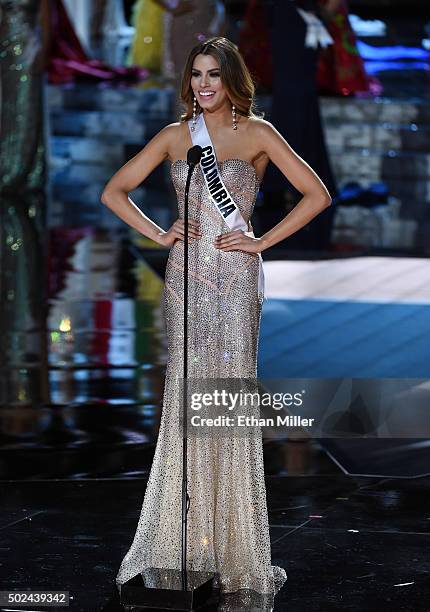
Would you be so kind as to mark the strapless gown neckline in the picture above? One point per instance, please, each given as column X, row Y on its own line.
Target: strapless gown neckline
column 225, row 161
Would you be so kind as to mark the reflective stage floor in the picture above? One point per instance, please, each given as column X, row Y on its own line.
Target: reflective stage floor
column 346, row 543
column 74, row 463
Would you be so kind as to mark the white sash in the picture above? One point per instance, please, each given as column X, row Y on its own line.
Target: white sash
column 218, row 192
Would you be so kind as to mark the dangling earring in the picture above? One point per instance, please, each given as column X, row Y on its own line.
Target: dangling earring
column 233, row 112
column 193, row 125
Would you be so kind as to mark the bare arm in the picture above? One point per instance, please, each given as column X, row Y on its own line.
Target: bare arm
column 115, row 194
column 315, row 194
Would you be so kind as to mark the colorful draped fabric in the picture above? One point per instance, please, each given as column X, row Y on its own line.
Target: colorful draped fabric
column 340, row 68
column 67, row 59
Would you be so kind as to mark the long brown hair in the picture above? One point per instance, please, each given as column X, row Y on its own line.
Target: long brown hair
column 235, row 76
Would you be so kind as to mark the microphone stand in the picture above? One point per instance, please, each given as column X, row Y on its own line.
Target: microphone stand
column 185, row 496
column 178, row 593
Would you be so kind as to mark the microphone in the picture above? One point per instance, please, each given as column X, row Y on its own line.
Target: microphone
column 194, row 156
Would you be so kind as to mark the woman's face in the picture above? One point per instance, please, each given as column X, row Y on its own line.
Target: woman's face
column 206, row 82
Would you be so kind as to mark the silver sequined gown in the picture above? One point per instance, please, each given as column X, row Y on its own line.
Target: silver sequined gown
column 228, row 530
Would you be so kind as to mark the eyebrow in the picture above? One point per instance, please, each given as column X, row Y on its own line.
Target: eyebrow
column 210, row 70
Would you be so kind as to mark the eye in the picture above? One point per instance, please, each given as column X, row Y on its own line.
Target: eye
column 214, row 74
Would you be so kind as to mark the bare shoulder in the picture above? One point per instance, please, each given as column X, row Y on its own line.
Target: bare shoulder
column 174, row 135
column 174, row 128
column 262, row 136
column 171, row 133
column 261, row 128
column 268, row 137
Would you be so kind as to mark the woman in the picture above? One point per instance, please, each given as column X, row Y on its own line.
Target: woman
column 225, row 475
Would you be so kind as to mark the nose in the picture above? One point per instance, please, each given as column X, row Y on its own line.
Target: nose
column 203, row 81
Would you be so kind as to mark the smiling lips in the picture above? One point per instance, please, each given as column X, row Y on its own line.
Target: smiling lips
column 206, row 94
